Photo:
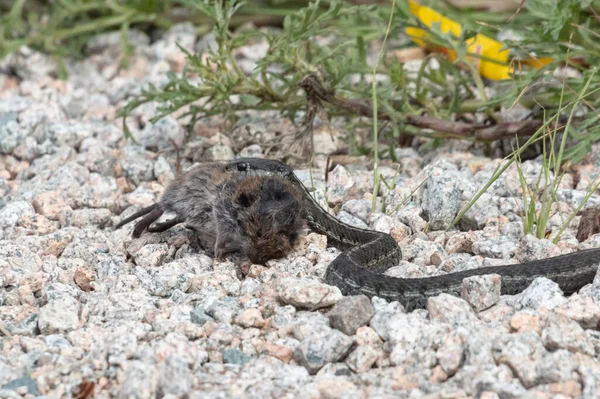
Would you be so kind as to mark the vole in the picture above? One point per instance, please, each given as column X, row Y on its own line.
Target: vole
column 243, row 217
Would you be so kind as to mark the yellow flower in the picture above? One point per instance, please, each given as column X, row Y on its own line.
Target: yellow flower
column 493, row 65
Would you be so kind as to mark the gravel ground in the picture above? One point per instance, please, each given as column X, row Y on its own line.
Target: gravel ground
column 84, row 307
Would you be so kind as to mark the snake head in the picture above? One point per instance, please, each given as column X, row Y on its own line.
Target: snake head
column 259, row 167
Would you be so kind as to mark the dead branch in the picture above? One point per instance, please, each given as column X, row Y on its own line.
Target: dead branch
column 317, row 94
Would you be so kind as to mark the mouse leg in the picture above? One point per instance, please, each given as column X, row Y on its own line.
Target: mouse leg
column 146, row 221
column 166, row 225
column 136, row 215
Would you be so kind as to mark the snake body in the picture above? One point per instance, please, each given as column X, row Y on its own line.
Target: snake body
column 366, row 254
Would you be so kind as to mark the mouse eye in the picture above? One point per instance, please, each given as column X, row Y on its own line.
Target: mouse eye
column 242, row 166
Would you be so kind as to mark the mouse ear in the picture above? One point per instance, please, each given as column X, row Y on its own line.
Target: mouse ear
column 284, row 245
column 245, row 199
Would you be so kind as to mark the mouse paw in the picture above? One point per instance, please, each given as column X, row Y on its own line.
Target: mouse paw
column 244, row 269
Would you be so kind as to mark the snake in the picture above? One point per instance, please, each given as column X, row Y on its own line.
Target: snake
column 366, row 254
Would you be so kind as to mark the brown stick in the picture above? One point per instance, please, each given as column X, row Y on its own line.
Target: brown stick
column 317, row 93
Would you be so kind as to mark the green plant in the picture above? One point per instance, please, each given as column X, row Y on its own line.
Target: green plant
column 535, row 221
column 292, row 54
column 553, row 161
column 376, row 176
column 64, row 27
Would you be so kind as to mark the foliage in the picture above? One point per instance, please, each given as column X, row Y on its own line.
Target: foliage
column 292, row 54
column 65, row 26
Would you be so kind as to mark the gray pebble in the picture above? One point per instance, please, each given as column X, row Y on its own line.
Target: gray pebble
column 451, row 309
column 220, row 152
column 441, row 200
column 174, row 377
column 137, row 168
column 308, row 294
column 59, row 315
column 350, row 313
column 563, row 333
column 11, row 134
column 164, row 134
column 360, row 208
column 199, row 317
column 235, row 356
column 25, row 382
column 362, row 358
column 223, row 310
column 347, row 218
column 13, row 212
column 253, row 151
column 481, row 292
column 322, row 348
column 541, row 293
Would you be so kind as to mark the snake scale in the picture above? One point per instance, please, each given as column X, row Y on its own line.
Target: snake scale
column 367, row 254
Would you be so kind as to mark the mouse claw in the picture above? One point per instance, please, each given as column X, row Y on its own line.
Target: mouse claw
column 220, row 254
column 245, row 268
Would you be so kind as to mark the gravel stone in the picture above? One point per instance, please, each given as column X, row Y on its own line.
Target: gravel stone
column 59, row 315
column 414, row 341
column 562, row 333
column 23, row 385
column 174, row 377
column 500, row 248
column 50, row 204
column 350, row 313
column 308, row 294
column 526, row 320
column 223, row 310
column 368, row 337
column 520, row 352
column 199, row 317
column 582, row 309
column 97, row 157
column 85, row 217
column 252, row 151
column 481, row 292
column 19, row 320
column 142, row 380
column 360, row 209
column 250, row 318
column 320, row 348
column 362, row 358
column 383, row 312
column 220, row 152
column 11, row 133
column 235, row 356
column 542, row 293
column 137, row 168
column 151, row 255
column 347, row 218
column 63, row 133
column 340, row 181
column 531, row 248
column 163, row 171
column 450, row 309
column 478, row 215
column 441, row 200
column 14, row 212
column 167, row 48
column 163, row 134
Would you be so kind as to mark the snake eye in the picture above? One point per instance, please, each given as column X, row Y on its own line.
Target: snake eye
column 242, row 166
